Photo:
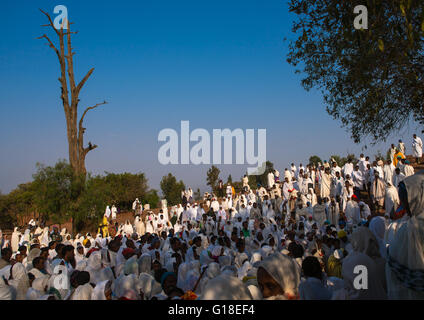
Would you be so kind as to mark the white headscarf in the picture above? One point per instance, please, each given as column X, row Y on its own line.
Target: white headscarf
column 99, row 291
column 183, row 270
column 20, row 280
column 378, row 228
column 255, row 292
column 284, row 271
column 375, row 288
column 363, row 240
column 5, row 291
column 94, row 265
column 225, row 287
column 124, row 283
column 131, row 266
column 149, row 286
column 83, row 292
column 145, row 263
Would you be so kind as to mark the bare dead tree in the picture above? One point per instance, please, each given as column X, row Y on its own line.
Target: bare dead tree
column 70, row 95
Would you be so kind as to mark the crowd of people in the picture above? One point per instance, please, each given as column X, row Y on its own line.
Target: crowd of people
column 300, row 236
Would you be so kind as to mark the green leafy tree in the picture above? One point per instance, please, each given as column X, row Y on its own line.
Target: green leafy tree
column 315, row 160
column 352, row 157
column 16, row 205
column 253, row 184
column 171, row 189
column 55, row 188
column 152, row 198
column 125, row 187
column 230, row 179
column 212, row 178
column 372, row 79
column 56, row 194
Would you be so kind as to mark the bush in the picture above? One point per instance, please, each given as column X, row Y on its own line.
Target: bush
column 171, row 189
column 58, row 195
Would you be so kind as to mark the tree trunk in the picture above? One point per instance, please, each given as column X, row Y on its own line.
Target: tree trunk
column 74, row 128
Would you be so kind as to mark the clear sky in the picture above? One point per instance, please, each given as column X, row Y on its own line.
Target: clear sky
column 219, row 64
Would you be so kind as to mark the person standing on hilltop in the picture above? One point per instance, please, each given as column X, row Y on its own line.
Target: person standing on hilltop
column 135, row 205
column 392, row 152
column 408, row 169
column 417, row 148
column 114, row 211
column 397, row 157
column 229, row 191
column 220, row 189
column 245, row 181
column 270, row 180
column 107, row 212
column 401, row 147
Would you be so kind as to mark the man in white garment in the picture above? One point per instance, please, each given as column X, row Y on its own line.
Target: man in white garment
column 338, row 184
column 380, row 168
column 391, row 202
column 293, row 170
column 215, row 205
column 352, row 212
column 222, row 214
column 389, row 170
column 363, row 161
column 325, row 184
column 107, row 212
column 401, row 147
column 397, row 178
column 364, row 210
column 378, row 190
column 287, row 185
column 348, row 168
column 270, row 179
column 229, row 191
column 114, row 212
column 335, row 168
column 319, row 212
column 417, row 148
column 287, row 174
column 408, row 169
column 135, row 205
column 245, row 181
column 358, row 179
column 392, row 152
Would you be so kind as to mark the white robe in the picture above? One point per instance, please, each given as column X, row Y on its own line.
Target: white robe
column 325, row 185
column 15, row 240
column 389, row 170
column 391, row 199
column 114, row 211
column 417, row 147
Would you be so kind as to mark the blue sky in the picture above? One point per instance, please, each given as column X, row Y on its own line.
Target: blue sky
column 218, row 64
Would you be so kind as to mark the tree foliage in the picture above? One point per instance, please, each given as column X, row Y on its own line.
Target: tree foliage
column 341, row 161
column 372, row 79
column 315, row 160
column 212, row 177
column 171, row 189
column 58, row 194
